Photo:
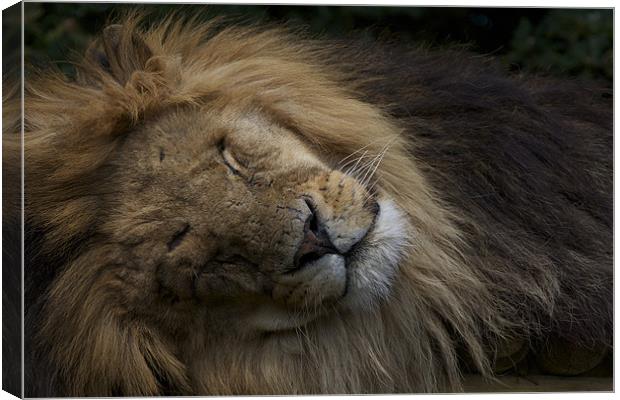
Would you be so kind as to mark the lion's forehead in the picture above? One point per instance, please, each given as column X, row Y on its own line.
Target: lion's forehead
column 184, row 138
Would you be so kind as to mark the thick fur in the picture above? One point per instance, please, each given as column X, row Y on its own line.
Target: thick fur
column 505, row 181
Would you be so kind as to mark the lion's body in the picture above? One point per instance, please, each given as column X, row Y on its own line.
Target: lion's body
column 505, row 184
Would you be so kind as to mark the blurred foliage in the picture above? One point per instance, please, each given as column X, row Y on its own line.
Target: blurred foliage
column 566, row 42
column 562, row 42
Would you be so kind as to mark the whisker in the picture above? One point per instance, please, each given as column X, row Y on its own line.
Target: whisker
column 350, row 171
column 368, row 164
column 355, row 160
column 370, row 189
column 357, row 151
column 352, row 154
column 368, row 167
column 376, row 167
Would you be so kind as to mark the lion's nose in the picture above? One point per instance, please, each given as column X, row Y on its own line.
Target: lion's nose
column 315, row 243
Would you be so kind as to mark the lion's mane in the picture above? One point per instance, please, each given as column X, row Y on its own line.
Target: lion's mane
column 505, row 180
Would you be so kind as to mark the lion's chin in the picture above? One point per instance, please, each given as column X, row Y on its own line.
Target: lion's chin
column 332, row 287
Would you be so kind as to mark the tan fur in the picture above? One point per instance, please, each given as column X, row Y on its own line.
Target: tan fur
column 103, row 335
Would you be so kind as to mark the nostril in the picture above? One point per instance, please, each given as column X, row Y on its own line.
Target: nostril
column 312, row 223
column 315, row 243
column 310, row 203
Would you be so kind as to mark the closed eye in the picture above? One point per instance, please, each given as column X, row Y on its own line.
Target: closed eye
column 231, row 162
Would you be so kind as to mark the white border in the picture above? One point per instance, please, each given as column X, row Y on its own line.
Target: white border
column 472, row 3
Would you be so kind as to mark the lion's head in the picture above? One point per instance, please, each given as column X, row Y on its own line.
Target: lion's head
column 225, row 209
column 232, row 218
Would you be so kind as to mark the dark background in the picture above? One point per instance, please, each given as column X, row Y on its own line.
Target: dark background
column 560, row 42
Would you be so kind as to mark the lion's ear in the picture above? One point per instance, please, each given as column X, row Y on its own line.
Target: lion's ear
column 121, row 51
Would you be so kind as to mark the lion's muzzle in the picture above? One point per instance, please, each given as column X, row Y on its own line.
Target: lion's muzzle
column 318, row 276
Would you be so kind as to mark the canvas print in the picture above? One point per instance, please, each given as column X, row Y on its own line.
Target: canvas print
column 287, row 200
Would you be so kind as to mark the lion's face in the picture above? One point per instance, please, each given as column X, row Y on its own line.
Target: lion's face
column 228, row 213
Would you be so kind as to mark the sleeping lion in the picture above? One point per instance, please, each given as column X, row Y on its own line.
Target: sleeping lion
column 217, row 209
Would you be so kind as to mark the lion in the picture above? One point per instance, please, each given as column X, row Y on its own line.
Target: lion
column 214, row 209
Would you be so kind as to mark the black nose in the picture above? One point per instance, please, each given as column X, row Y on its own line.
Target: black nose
column 315, row 243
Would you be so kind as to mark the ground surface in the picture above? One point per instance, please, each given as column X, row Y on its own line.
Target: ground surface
column 539, row 383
